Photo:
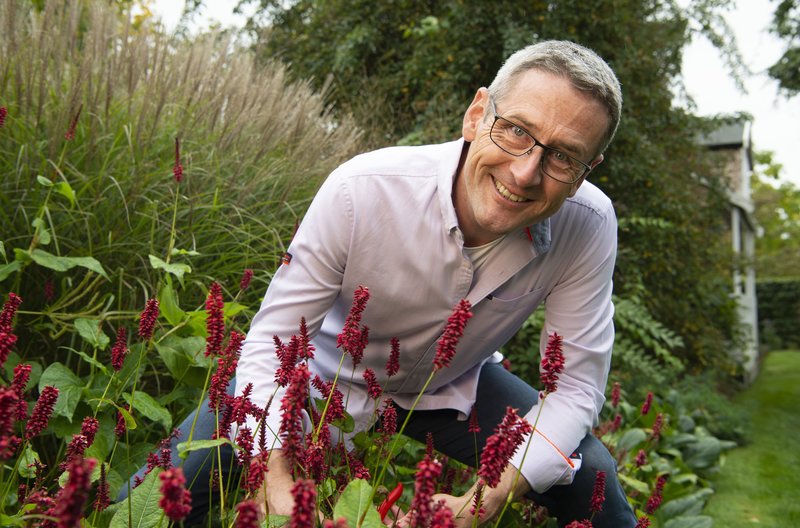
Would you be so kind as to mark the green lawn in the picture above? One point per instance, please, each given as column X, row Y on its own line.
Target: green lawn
column 759, row 483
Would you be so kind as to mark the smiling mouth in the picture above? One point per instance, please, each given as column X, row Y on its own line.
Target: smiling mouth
column 508, row 195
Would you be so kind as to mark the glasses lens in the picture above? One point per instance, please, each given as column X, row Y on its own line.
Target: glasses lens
column 560, row 166
column 510, row 137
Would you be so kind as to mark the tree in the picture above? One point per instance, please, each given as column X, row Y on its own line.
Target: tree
column 777, row 211
column 786, row 24
column 407, row 69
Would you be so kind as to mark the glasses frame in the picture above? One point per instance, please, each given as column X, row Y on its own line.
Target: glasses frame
column 536, row 143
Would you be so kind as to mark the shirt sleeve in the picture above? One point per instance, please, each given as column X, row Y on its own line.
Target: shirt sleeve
column 580, row 310
column 305, row 285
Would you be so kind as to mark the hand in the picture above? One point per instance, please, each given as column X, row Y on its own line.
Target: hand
column 275, row 495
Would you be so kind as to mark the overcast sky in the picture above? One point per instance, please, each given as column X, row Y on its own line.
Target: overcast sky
column 776, row 124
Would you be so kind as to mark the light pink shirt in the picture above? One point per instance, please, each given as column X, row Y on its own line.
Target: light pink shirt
column 385, row 220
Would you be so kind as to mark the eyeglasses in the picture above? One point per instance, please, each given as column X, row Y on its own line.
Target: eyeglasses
column 515, row 140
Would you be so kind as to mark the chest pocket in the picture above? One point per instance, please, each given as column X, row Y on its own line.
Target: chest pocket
column 527, row 302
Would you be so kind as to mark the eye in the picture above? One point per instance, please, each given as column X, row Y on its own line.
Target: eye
column 517, row 131
column 559, row 156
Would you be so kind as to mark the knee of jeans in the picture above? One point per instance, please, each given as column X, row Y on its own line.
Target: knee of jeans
column 596, row 456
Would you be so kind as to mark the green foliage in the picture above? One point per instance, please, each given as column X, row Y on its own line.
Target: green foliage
column 779, row 312
column 786, row 24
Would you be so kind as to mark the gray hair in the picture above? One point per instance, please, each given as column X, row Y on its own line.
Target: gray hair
column 584, row 68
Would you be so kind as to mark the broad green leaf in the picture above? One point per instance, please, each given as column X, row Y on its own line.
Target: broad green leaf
column 64, row 189
column 231, row 309
column 686, row 506
column 633, row 483
column 631, row 439
column 143, row 504
column 44, row 182
column 175, row 269
column 41, row 231
column 91, row 331
column 70, row 388
column 25, row 466
column 56, row 263
column 184, row 448
column 104, row 439
column 149, row 407
column 189, row 252
column 354, row 503
column 8, row 269
column 2, row 250
column 168, row 304
column 276, row 521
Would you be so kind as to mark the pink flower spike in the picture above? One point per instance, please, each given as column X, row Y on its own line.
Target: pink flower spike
column 147, row 321
column 3, row 114
column 247, row 514
column 421, row 509
column 615, row 394
column 22, row 374
column 305, row 350
column 453, row 331
column 648, row 401
column 292, row 405
column 102, row 500
column 656, row 497
column 70, row 134
column 42, row 412
column 474, row 426
column 304, row 515
column 642, row 522
column 552, row 363
column 9, row 403
column 442, row 516
column 120, row 349
column 247, row 276
column 393, row 364
column 70, row 501
column 599, row 492
column 215, row 322
column 373, row 387
column 177, row 168
column 641, row 458
column 176, row 500
column 657, row 426
column 501, row 446
column 351, row 338
column 9, row 311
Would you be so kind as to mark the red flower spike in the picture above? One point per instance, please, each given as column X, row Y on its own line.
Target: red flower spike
column 641, row 458
column 500, row 447
column 247, row 276
column 71, row 499
column 373, row 387
column 642, row 522
column 22, row 374
column 102, row 501
column 477, row 508
column 121, row 427
column 9, row 311
column 586, row 523
column 393, row 364
column 474, row 426
column 226, row 368
column 3, row 114
column 41, row 412
column 428, row 472
column 247, row 514
column 552, row 363
column 389, row 418
column 49, row 290
column 656, row 497
column 599, row 492
column 305, row 350
column 351, row 339
column 657, row 425
column 176, row 500
column 215, row 323
column 70, row 134
column 177, row 168
column 648, row 401
column 120, row 349
column 616, row 423
column 453, row 331
column 147, row 321
column 615, row 394
column 292, row 406
column 256, row 472
column 304, row 514
column 9, row 403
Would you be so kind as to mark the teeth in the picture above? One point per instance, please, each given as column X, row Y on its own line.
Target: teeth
column 508, row 194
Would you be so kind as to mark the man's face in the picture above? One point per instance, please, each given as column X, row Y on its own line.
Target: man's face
column 495, row 192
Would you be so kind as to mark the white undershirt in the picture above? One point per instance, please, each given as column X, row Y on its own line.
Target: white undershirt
column 479, row 254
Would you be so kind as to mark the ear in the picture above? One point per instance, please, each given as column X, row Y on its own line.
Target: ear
column 577, row 185
column 474, row 114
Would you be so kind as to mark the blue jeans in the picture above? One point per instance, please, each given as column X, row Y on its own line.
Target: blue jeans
column 499, row 389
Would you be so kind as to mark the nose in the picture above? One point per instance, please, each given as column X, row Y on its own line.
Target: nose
column 527, row 169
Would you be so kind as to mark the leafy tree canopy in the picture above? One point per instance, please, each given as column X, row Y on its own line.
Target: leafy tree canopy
column 786, row 24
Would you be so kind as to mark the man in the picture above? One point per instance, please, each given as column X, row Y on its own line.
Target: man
column 504, row 218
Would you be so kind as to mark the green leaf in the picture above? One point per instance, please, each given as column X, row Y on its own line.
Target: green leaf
column 64, row 189
column 189, row 252
column 354, row 503
column 3, row 250
column 175, row 269
column 631, row 439
column 143, row 504
column 633, row 483
column 149, row 407
column 70, row 388
column 184, row 448
column 41, row 231
column 231, row 309
column 25, row 466
column 56, row 263
column 8, row 269
column 276, row 521
column 91, row 331
column 44, row 182
column 168, row 303
column 686, row 506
